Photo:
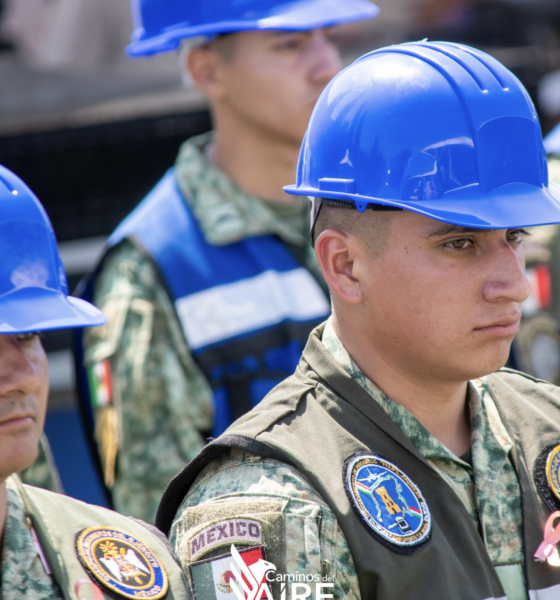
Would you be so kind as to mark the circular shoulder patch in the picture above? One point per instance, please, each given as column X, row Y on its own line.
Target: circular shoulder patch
column 121, row 563
column 552, row 468
column 546, row 475
column 388, row 501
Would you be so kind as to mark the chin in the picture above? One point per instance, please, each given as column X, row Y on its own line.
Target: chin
column 492, row 364
column 16, row 459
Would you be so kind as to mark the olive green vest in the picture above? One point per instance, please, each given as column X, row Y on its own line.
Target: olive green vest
column 57, row 521
column 320, row 416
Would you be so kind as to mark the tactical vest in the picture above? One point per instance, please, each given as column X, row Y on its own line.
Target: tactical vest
column 320, row 417
column 246, row 308
column 58, row 521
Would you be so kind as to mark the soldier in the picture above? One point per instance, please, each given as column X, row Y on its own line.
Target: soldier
column 52, row 545
column 210, row 286
column 400, row 460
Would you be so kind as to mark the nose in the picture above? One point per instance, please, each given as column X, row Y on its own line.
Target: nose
column 507, row 280
column 18, row 375
column 325, row 58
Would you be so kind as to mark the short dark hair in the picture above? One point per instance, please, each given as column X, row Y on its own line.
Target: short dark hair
column 371, row 226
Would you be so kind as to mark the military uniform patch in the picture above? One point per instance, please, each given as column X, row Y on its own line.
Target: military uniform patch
column 546, row 473
column 388, row 502
column 224, row 533
column 237, row 574
column 121, row 563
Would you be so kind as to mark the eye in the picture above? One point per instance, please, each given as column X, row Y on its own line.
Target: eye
column 289, row 44
column 515, row 236
column 28, row 337
column 460, row 244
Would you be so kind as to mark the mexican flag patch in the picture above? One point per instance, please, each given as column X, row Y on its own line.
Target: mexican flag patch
column 239, row 575
column 100, row 384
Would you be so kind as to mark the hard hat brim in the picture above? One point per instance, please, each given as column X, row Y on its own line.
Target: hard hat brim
column 511, row 206
column 302, row 15
column 30, row 309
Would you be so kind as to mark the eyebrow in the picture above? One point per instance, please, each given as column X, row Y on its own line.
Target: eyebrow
column 442, row 229
column 282, row 33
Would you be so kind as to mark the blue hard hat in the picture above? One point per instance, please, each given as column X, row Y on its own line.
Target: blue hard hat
column 436, row 128
column 162, row 24
column 552, row 141
column 33, row 287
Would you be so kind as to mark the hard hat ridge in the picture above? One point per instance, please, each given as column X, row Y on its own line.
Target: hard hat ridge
column 437, row 128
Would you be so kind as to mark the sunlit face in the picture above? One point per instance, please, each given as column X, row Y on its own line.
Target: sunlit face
column 444, row 302
column 24, row 384
column 274, row 78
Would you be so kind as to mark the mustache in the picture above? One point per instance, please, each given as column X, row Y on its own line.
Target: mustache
column 15, row 406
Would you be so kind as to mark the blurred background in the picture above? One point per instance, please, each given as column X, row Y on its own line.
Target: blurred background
column 91, row 131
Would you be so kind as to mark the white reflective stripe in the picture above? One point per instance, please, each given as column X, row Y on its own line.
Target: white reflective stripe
column 61, row 371
column 236, row 308
column 78, row 256
column 551, row 593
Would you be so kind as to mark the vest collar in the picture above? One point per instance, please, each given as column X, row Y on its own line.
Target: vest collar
column 324, row 369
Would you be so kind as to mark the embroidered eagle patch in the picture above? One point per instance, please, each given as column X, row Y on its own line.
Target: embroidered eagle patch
column 389, row 503
column 121, row 563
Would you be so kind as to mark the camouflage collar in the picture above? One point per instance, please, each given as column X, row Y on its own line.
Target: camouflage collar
column 225, row 213
column 491, row 442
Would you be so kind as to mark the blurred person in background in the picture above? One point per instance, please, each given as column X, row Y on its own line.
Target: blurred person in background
column 46, row 539
column 210, row 285
column 79, row 35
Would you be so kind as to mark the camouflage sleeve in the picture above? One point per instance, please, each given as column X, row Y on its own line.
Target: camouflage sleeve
column 43, row 472
column 261, row 506
column 150, row 399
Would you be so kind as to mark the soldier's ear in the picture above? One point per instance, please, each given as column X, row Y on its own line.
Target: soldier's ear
column 339, row 254
column 205, row 66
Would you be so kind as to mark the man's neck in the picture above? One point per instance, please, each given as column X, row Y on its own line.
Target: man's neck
column 3, row 514
column 441, row 407
column 258, row 163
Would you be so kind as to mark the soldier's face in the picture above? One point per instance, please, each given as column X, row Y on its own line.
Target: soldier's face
column 445, row 301
column 24, row 383
column 273, row 79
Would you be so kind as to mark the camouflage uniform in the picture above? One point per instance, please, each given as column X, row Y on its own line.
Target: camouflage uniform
column 162, row 402
column 494, row 502
column 23, row 574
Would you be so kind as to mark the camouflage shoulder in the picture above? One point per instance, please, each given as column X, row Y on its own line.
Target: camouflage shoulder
column 126, row 276
column 242, row 505
column 511, row 375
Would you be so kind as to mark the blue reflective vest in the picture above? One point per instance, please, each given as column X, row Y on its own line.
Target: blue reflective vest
column 246, row 308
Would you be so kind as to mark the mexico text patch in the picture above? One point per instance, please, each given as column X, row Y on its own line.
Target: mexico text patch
column 388, row 502
column 225, row 533
column 121, row 563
